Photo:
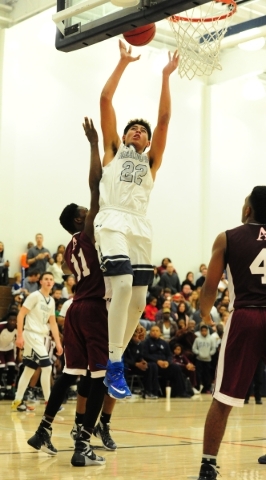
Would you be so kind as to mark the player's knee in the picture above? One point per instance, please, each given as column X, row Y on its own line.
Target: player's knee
column 122, row 284
column 84, row 385
column 47, row 369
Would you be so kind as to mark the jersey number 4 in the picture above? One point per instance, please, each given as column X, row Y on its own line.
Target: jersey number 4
column 85, row 269
column 132, row 173
column 258, row 266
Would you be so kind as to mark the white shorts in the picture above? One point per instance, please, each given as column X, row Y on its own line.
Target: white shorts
column 35, row 353
column 123, row 242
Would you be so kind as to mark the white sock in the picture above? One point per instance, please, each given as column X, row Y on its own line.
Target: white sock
column 117, row 314
column 115, row 352
column 135, row 309
column 24, row 382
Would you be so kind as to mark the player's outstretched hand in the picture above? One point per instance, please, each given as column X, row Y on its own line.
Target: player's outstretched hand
column 172, row 63
column 90, row 131
column 126, row 53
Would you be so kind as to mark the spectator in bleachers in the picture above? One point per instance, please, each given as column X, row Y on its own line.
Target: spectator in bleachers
column 151, row 309
column 155, row 280
column 162, row 268
column 224, row 318
column 67, row 291
column 157, row 350
column 222, row 285
column 170, row 279
column 16, row 302
column 23, row 260
column 194, row 301
column 167, row 325
column 31, row 282
column 17, row 286
column 189, row 280
column 223, row 301
column 182, row 312
column 204, row 347
column 214, row 313
column 4, row 266
column 188, row 368
column 159, row 314
column 8, row 331
column 136, row 365
column 186, row 291
column 60, row 249
column 56, row 293
column 185, row 337
column 56, row 270
column 38, row 256
column 157, row 292
column 201, row 279
column 201, row 267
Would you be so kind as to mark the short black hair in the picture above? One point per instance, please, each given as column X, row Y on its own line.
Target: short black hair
column 46, row 273
column 67, row 218
column 12, row 313
column 138, row 121
column 34, row 272
column 258, row 203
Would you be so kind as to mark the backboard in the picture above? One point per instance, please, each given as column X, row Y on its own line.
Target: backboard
column 83, row 23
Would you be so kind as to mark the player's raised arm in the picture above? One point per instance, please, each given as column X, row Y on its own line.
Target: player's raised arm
column 216, row 267
column 95, row 175
column 160, row 133
column 111, row 138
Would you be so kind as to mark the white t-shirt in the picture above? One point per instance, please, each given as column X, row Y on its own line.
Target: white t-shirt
column 41, row 309
column 64, row 308
column 57, row 273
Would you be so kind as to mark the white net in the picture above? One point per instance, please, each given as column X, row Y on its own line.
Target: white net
column 198, row 33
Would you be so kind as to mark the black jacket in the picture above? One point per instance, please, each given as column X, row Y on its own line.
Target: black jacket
column 156, row 349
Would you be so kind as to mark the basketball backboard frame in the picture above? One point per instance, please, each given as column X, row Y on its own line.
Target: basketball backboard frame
column 79, row 36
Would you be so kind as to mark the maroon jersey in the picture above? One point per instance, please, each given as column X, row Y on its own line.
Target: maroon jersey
column 81, row 258
column 246, row 265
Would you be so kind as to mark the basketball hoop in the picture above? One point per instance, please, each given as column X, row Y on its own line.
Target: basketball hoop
column 198, row 33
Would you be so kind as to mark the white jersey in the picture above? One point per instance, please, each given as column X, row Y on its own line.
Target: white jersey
column 41, row 308
column 126, row 182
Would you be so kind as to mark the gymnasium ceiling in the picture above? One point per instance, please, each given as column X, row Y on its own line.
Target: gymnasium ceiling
column 15, row 11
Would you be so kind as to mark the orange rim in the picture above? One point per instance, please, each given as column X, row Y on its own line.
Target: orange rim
column 177, row 18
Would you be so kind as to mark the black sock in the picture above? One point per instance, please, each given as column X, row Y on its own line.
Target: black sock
column 79, row 418
column 58, row 393
column 46, row 422
column 105, row 418
column 94, row 403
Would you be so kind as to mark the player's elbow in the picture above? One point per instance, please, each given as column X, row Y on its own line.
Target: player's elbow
column 105, row 99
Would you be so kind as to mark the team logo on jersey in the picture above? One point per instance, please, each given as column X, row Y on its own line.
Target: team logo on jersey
column 262, row 234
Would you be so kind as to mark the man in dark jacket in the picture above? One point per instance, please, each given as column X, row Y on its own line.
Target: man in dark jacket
column 157, row 350
column 136, row 365
column 170, row 279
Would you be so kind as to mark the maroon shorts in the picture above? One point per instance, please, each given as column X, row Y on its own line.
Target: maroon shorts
column 242, row 347
column 7, row 358
column 86, row 338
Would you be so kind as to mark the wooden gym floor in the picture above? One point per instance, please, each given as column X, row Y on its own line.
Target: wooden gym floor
column 157, row 439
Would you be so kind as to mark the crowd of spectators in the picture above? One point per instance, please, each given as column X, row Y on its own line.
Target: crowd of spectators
column 174, row 347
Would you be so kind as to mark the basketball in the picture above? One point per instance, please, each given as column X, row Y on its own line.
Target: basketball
column 140, row 36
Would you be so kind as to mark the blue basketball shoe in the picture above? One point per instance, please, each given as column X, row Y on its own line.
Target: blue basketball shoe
column 115, row 380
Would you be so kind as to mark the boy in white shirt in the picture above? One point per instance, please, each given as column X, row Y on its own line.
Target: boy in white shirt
column 39, row 310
